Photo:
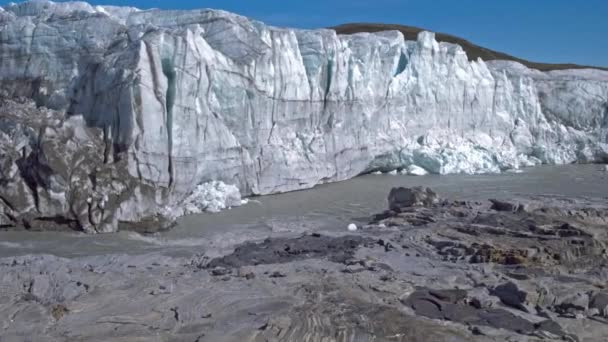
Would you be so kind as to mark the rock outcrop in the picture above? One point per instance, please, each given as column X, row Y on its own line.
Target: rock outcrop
column 183, row 98
column 55, row 174
column 404, row 198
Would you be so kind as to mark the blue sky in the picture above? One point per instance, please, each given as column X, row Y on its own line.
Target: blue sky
column 540, row 30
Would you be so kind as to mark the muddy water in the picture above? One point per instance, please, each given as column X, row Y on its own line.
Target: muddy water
column 326, row 207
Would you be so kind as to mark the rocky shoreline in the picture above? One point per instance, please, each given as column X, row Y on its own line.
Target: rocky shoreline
column 427, row 269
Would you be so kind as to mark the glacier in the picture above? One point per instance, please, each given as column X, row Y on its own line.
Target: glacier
column 179, row 99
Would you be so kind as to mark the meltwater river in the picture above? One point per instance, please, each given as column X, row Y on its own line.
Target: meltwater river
column 326, row 207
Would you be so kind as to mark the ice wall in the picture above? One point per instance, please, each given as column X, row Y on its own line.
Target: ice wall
column 190, row 97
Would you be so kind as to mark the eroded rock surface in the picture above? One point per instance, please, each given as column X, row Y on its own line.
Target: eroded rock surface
column 279, row 251
column 445, row 271
column 55, row 174
column 451, row 305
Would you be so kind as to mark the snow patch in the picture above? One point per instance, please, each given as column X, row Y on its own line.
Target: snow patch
column 515, row 171
column 415, row 170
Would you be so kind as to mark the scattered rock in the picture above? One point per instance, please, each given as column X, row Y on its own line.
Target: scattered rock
column 220, row 271
column 399, row 198
column 449, row 305
column 245, row 273
column 550, row 326
column 58, row 311
column 486, row 253
column 506, row 206
column 599, row 301
column 573, row 305
column 509, row 294
column 352, row 269
column 452, row 296
column 592, row 312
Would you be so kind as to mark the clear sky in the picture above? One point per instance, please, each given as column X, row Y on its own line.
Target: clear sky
column 540, row 30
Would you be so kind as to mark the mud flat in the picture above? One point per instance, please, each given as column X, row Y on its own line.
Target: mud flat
column 427, row 269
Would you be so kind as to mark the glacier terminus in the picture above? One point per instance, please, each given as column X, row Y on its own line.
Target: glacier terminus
column 114, row 116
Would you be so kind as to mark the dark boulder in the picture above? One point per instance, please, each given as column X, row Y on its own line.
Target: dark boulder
column 409, row 197
column 509, row 294
column 599, row 301
column 506, row 206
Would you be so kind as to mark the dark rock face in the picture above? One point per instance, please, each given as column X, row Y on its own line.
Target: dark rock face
column 450, row 305
column 400, row 198
column 505, row 206
column 511, row 295
column 57, row 173
column 600, row 302
column 280, row 251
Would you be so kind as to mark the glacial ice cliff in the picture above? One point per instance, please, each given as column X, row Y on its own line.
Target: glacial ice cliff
column 184, row 98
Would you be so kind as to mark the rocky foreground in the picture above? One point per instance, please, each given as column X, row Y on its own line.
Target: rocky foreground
column 427, row 269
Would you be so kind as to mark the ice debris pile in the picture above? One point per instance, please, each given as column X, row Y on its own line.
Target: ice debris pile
column 212, row 197
column 182, row 98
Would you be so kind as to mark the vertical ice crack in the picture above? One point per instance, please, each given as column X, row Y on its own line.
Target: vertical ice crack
column 169, row 72
column 401, row 64
column 329, row 75
column 604, row 122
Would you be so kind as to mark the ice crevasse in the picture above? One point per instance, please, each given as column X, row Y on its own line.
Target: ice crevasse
column 184, row 98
